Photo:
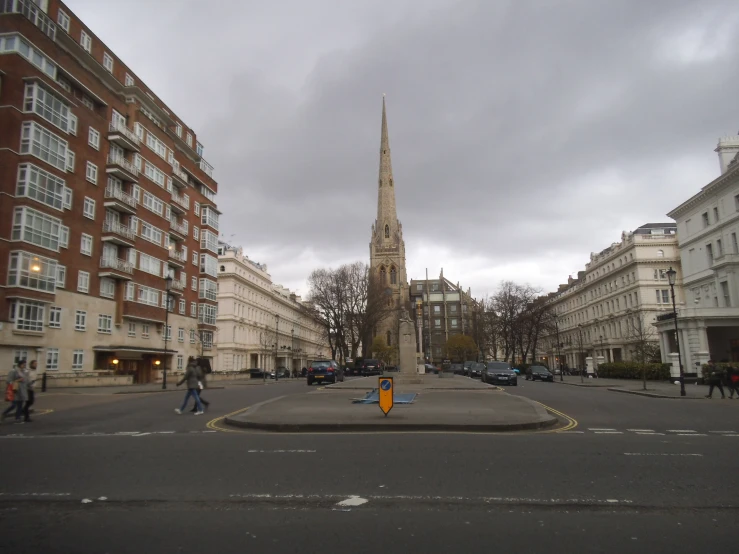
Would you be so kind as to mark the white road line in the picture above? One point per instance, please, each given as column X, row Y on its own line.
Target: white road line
column 165, row 432
column 641, row 430
column 692, row 434
column 573, row 432
column 599, row 429
column 34, row 494
column 609, row 432
column 723, row 432
column 680, row 431
column 658, row 454
column 353, row 500
column 498, row 499
column 652, row 433
column 141, row 435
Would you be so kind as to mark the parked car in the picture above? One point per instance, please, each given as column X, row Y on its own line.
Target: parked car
column 458, row 369
column 539, row 372
column 466, row 368
column 499, row 373
column 282, row 373
column 256, row 373
column 371, row 367
column 324, row 371
column 476, row 369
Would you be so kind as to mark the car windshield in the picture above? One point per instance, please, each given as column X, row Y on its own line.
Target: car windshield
column 540, row 369
column 320, row 365
column 478, row 366
column 498, row 365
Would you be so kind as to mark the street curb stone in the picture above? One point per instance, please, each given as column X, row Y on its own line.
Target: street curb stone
column 653, row 395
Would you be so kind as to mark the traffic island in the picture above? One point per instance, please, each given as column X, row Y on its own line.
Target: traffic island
column 325, row 411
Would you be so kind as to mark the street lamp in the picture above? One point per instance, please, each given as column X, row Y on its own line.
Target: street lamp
column 671, row 276
column 579, row 328
column 168, row 283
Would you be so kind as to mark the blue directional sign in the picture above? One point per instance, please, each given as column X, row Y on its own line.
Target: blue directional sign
column 386, row 394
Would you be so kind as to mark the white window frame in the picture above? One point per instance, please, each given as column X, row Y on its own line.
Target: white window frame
column 105, row 324
column 27, row 315
column 86, row 244
column 145, row 331
column 93, row 138
column 52, row 359
column 131, row 329
column 21, row 274
column 196, row 234
column 88, row 208
column 41, row 143
column 40, row 185
column 55, row 317
column 181, row 334
column 91, row 173
column 39, row 100
column 107, row 287
column 61, row 276
column 85, row 41
column 80, row 320
column 197, row 208
column 63, row 20
column 108, row 62
column 182, row 306
column 35, row 227
column 193, row 309
column 83, row 281
column 78, row 359
column 129, row 82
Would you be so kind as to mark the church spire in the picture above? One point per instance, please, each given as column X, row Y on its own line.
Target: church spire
column 387, row 226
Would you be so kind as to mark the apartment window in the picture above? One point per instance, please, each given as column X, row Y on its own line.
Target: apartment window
column 131, row 329
column 156, row 145
column 182, row 306
column 209, row 241
column 208, row 216
column 86, row 41
column 89, row 208
column 52, row 358
column 44, row 103
column 150, row 264
column 45, row 145
column 105, row 324
column 145, row 331
column 80, row 320
column 455, row 323
column 725, row 292
column 194, row 258
column 86, row 244
column 206, row 338
column 35, row 227
column 207, row 314
column 194, row 283
column 193, row 309
column 155, row 174
column 108, row 62
column 153, row 203
column 715, row 215
column 209, row 265
column 107, row 288
column 31, row 271
column 33, row 182
column 83, row 281
column 130, row 290
column 180, row 335
column 87, row 102
column 70, row 161
column 709, row 253
column 148, row 296
column 437, row 322
column 78, row 359
column 55, row 317
column 14, row 43
column 63, row 20
column 91, row 173
column 419, row 287
column 706, row 221
column 208, row 289
column 197, row 208
column 93, row 138
column 188, row 140
column 27, row 315
column 168, row 333
column 453, row 308
column 196, row 235
column 660, row 253
column 151, row 233
column 663, row 296
column 437, row 309
column 129, row 80
column 61, row 276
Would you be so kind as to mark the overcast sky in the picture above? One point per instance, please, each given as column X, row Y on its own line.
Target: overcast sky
column 525, row 134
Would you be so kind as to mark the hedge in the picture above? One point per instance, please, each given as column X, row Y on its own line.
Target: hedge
column 634, row 370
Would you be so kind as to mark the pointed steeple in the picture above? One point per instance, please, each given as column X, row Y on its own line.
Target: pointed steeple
column 387, row 225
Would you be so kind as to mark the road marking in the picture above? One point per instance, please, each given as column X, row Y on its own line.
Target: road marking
column 599, row 429
column 693, row 434
column 213, row 423
column 659, row 454
column 680, row 431
column 280, row 451
column 641, row 430
column 427, row 498
column 723, row 432
column 573, row 432
column 571, row 422
column 652, row 433
column 35, row 494
column 353, row 500
column 141, row 435
column 609, row 432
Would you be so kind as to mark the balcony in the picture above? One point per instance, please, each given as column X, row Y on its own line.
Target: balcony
column 121, row 269
column 182, row 201
column 122, row 168
column 123, row 137
column 119, row 200
column 206, row 167
column 180, row 176
column 32, row 12
column 176, row 258
column 177, row 230
column 114, row 232
column 176, row 287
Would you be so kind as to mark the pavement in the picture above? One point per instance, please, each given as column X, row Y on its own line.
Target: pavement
column 123, row 473
column 655, row 389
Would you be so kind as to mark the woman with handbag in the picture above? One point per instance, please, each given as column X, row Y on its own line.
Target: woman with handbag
column 16, row 391
column 202, row 385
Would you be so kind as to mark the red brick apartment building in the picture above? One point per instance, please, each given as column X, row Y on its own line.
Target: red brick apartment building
column 105, row 195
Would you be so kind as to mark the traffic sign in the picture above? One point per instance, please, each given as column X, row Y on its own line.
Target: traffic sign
column 386, row 394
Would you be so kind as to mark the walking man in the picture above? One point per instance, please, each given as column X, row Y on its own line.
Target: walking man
column 16, row 380
column 202, row 385
column 714, row 376
column 192, row 378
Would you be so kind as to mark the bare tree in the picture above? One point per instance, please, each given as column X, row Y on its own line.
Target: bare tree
column 643, row 339
column 510, row 305
column 267, row 342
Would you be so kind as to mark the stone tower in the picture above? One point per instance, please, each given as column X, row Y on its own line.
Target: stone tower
column 387, row 248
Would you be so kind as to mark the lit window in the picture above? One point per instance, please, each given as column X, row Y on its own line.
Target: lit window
column 32, row 271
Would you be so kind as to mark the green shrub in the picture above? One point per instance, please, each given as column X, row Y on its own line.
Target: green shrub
column 634, row 370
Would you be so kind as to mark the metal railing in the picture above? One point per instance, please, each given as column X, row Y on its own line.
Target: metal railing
column 116, row 194
column 117, row 228
column 118, row 127
column 179, row 227
column 177, row 285
column 32, row 12
column 177, row 256
column 181, row 199
column 124, row 163
column 181, row 174
column 115, row 263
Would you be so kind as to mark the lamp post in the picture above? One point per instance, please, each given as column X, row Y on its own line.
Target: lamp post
column 168, row 283
column 671, row 276
column 559, row 359
column 579, row 328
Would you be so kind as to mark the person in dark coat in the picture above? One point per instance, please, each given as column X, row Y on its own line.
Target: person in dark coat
column 732, row 381
column 204, row 382
column 192, row 377
column 17, row 378
column 714, row 376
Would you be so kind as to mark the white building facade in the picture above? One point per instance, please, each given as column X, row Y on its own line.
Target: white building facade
column 612, row 305
column 261, row 324
column 707, row 230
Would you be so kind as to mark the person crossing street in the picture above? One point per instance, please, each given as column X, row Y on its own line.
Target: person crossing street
column 192, row 377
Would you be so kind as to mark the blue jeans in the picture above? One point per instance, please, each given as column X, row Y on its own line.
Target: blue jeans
column 192, row 392
column 17, row 405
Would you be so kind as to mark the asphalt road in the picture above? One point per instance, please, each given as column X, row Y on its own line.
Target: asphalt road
column 124, row 473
